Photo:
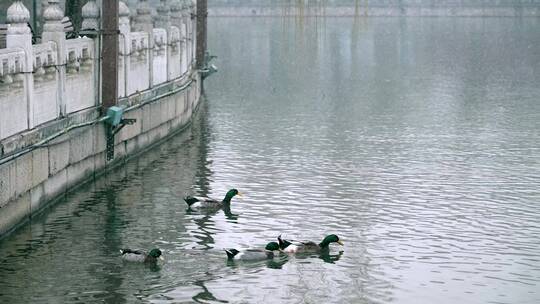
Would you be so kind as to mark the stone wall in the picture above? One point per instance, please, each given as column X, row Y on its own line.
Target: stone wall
column 52, row 133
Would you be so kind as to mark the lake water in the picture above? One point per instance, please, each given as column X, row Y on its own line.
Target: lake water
column 417, row 141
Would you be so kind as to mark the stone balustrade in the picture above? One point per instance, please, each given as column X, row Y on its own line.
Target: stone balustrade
column 59, row 77
column 13, row 92
column 46, row 102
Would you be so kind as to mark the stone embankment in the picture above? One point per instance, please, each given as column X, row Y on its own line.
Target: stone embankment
column 53, row 135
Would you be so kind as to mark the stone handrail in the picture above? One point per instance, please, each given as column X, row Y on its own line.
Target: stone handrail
column 45, row 102
column 11, row 61
column 59, row 77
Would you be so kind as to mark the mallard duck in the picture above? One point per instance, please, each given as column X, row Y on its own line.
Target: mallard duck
column 205, row 202
column 309, row 246
column 141, row 256
column 270, row 251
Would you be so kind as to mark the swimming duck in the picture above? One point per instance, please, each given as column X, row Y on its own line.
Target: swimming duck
column 309, row 246
column 205, row 202
column 270, row 251
column 141, row 256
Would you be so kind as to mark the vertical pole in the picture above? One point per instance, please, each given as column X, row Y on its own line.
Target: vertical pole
column 73, row 11
column 202, row 13
column 34, row 16
column 109, row 67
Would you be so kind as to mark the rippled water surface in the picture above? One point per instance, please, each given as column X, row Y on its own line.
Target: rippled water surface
column 415, row 140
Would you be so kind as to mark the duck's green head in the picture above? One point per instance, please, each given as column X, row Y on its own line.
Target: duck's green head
column 156, row 253
column 332, row 238
column 231, row 193
column 272, row 246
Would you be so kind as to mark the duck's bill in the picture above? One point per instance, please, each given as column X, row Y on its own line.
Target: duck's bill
column 340, row 242
column 240, row 194
column 161, row 258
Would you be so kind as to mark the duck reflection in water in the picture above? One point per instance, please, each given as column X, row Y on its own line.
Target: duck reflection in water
column 275, row 263
column 205, row 295
column 327, row 257
column 231, row 217
column 331, row 258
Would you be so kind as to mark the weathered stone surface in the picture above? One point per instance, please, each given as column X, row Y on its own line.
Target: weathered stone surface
column 132, row 146
column 171, row 111
column 80, row 171
column 12, row 144
column 146, row 118
column 56, row 184
column 100, row 139
column 176, row 123
column 23, row 181
column 14, row 212
column 142, row 140
column 40, row 166
column 81, row 145
column 100, row 160
column 120, row 150
column 58, row 155
column 37, row 198
column 154, row 135
column 156, row 112
column 8, row 174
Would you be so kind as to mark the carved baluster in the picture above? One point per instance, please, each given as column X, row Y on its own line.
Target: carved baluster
column 19, row 36
column 90, row 15
column 163, row 15
column 53, row 30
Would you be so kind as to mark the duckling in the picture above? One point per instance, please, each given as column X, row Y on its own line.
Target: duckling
column 141, row 256
column 309, row 246
column 269, row 252
column 205, row 202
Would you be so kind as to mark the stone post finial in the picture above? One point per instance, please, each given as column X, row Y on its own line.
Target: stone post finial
column 53, row 30
column 52, row 17
column 176, row 13
column 19, row 36
column 184, row 7
column 18, row 17
column 163, row 15
column 192, row 7
column 123, row 9
column 143, row 21
column 176, row 6
column 123, row 18
column 90, row 14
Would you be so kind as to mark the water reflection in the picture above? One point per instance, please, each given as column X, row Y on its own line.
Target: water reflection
column 205, row 295
column 226, row 209
column 274, row 263
column 414, row 139
column 331, row 258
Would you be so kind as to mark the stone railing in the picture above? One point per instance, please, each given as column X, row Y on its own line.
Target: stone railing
column 14, row 114
column 46, row 103
column 60, row 77
column 80, row 92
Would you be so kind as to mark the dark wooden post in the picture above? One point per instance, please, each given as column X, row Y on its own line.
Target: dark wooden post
column 109, row 67
column 202, row 14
